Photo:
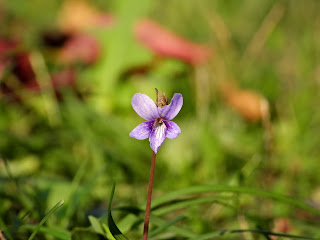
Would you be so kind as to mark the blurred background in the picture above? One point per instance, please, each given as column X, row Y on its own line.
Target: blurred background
column 249, row 73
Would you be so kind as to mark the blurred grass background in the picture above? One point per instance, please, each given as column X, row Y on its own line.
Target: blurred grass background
column 73, row 146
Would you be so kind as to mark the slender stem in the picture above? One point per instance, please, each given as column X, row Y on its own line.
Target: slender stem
column 147, row 214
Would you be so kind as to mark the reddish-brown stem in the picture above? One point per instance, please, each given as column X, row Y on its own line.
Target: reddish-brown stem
column 147, row 214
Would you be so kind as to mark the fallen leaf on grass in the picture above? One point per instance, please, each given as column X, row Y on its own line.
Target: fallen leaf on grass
column 64, row 78
column 248, row 103
column 24, row 77
column 167, row 44
column 281, row 225
column 81, row 48
column 78, row 15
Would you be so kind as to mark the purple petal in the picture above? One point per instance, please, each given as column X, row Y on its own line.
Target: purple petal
column 173, row 129
column 157, row 137
column 144, row 106
column 142, row 131
column 170, row 111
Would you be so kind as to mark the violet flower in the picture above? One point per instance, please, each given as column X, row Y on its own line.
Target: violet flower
column 158, row 115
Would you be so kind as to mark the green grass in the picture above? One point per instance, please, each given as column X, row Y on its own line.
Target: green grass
column 217, row 179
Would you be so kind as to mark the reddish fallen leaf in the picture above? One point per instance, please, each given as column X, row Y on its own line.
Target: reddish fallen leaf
column 7, row 47
column 105, row 19
column 77, row 16
column 60, row 80
column 81, row 48
column 16, row 63
column 250, row 104
column 65, row 78
column 23, row 68
column 167, row 44
column 24, row 73
column 281, row 225
column 19, row 65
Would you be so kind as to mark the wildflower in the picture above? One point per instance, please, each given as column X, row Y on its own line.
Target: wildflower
column 158, row 115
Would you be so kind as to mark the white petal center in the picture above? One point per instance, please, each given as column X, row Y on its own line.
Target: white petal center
column 160, row 130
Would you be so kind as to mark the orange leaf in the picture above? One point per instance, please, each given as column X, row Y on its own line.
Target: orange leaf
column 250, row 104
column 78, row 15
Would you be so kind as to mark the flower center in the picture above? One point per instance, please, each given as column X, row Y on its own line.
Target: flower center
column 158, row 122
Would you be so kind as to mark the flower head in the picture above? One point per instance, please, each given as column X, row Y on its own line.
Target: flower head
column 158, row 115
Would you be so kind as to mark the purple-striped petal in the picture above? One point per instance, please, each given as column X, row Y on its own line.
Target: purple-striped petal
column 157, row 137
column 142, row 131
column 170, row 111
column 144, row 106
column 173, row 130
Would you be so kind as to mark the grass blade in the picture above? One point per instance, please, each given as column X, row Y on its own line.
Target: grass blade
column 174, row 229
column 233, row 189
column 191, row 202
column 114, row 230
column 263, row 232
column 55, row 208
column 53, row 232
column 96, row 225
column 165, row 226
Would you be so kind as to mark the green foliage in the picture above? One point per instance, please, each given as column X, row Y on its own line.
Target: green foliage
column 224, row 177
column 112, row 227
